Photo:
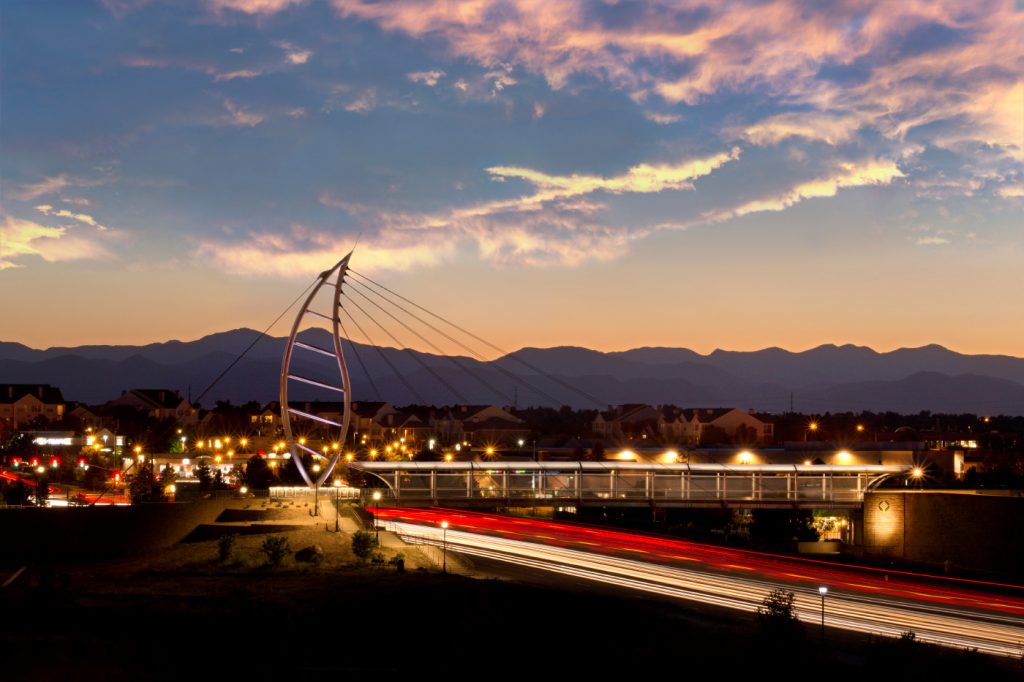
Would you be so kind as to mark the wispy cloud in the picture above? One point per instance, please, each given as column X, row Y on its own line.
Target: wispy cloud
column 241, row 73
column 828, row 128
column 187, row 64
column 52, row 185
column 662, row 118
column 252, row 6
column 237, row 116
column 429, row 78
column 49, row 210
column 364, row 103
column 931, row 241
column 293, row 54
column 553, row 224
column 880, row 172
column 20, row 238
column 786, row 50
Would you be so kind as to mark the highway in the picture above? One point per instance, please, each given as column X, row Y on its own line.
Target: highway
column 950, row 612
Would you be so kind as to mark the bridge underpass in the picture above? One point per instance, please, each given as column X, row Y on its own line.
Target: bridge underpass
column 545, row 484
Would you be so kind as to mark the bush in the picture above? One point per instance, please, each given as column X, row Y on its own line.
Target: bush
column 226, row 546
column 276, row 548
column 776, row 615
column 777, row 606
column 363, row 544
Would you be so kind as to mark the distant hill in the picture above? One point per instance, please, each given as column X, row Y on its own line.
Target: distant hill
column 826, row 378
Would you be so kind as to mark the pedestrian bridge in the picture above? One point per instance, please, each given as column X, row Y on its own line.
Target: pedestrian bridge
column 545, row 484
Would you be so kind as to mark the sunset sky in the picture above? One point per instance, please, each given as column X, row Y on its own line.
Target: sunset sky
column 606, row 174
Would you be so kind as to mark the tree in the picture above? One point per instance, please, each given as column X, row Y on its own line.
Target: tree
column 218, row 481
column 258, row 475
column 144, row 486
column 42, row 490
column 204, row 475
column 15, row 493
column 167, row 477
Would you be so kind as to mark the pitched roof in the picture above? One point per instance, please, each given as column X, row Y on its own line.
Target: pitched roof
column 163, row 398
column 45, row 393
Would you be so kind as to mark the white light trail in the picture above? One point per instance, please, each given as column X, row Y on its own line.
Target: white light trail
column 993, row 633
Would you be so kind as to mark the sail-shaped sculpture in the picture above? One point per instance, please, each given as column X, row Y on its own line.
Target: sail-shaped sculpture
column 330, row 283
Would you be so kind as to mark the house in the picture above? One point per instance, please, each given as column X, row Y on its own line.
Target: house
column 159, row 403
column 22, row 403
column 627, row 422
column 713, row 424
column 479, row 424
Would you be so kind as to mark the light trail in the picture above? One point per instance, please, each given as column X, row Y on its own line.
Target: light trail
column 992, row 631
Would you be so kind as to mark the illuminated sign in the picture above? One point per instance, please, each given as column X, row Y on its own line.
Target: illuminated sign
column 52, row 441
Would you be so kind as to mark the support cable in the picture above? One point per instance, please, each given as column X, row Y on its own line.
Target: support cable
column 258, row 338
column 455, row 361
column 384, row 357
column 481, row 358
column 506, row 354
column 411, row 352
column 359, row 358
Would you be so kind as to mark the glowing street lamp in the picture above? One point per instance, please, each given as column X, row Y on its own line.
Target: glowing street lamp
column 376, row 514
column 822, row 591
column 316, row 490
column 444, row 547
column 337, row 505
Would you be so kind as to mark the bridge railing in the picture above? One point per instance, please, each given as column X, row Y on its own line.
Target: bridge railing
column 616, row 482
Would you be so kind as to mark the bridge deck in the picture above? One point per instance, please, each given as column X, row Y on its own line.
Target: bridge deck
column 627, row 483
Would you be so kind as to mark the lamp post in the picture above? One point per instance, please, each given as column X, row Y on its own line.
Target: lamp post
column 822, row 591
column 444, row 547
column 337, row 505
column 316, row 491
column 376, row 514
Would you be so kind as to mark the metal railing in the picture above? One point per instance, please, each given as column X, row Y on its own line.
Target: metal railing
column 541, row 483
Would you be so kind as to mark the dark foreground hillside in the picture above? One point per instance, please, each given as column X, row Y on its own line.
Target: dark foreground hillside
column 129, row 622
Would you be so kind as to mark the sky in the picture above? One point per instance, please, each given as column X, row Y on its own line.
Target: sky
column 604, row 174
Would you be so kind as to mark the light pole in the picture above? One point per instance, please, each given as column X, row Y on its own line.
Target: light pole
column 316, row 491
column 444, row 547
column 376, row 514
column 337, row 505
column 823, row 591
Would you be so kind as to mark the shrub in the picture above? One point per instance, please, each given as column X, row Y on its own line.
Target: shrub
column 276, row 548
column 777, row 606
column 363, row 544
column 776, row 616
column 226, row 546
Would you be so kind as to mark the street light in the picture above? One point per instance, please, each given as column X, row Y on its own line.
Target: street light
column 822, row 591
column 337, row 505
column 376, row 514
column 444, row 547
column 316, row 491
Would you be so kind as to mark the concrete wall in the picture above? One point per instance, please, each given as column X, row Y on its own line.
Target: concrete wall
column 979, row 533
column 83, row 533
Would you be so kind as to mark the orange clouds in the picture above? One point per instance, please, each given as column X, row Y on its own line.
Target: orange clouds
column 778, row 48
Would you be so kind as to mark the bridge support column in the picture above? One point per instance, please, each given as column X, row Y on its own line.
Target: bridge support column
column 504, row 484
column 398, row 485
column 611, row 484
column 433, row 486
column 469, row 484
